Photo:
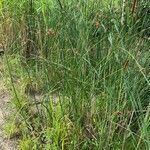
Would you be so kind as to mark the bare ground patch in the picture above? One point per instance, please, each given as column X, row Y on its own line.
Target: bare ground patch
column 5, row 143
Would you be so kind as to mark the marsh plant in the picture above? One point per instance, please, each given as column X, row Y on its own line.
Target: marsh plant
column 78, row 73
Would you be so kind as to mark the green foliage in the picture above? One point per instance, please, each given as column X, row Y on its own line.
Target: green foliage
column 79, row 79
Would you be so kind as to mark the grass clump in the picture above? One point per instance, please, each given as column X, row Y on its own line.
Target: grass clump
column 79, row 77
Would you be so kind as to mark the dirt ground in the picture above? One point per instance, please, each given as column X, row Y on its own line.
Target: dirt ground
column 5, row 143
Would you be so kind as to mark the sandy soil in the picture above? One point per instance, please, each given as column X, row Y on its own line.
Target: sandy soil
column 5, row 143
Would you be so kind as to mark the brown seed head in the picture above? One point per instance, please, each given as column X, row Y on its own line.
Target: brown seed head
column 51, row 33
column 97, row 24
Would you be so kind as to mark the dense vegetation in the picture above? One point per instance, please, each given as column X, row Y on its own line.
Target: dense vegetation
column 78, row 72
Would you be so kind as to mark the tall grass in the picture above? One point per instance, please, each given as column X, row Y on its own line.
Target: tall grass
column 79, row 78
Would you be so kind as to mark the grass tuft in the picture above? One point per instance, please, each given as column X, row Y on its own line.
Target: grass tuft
column 79, row 77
